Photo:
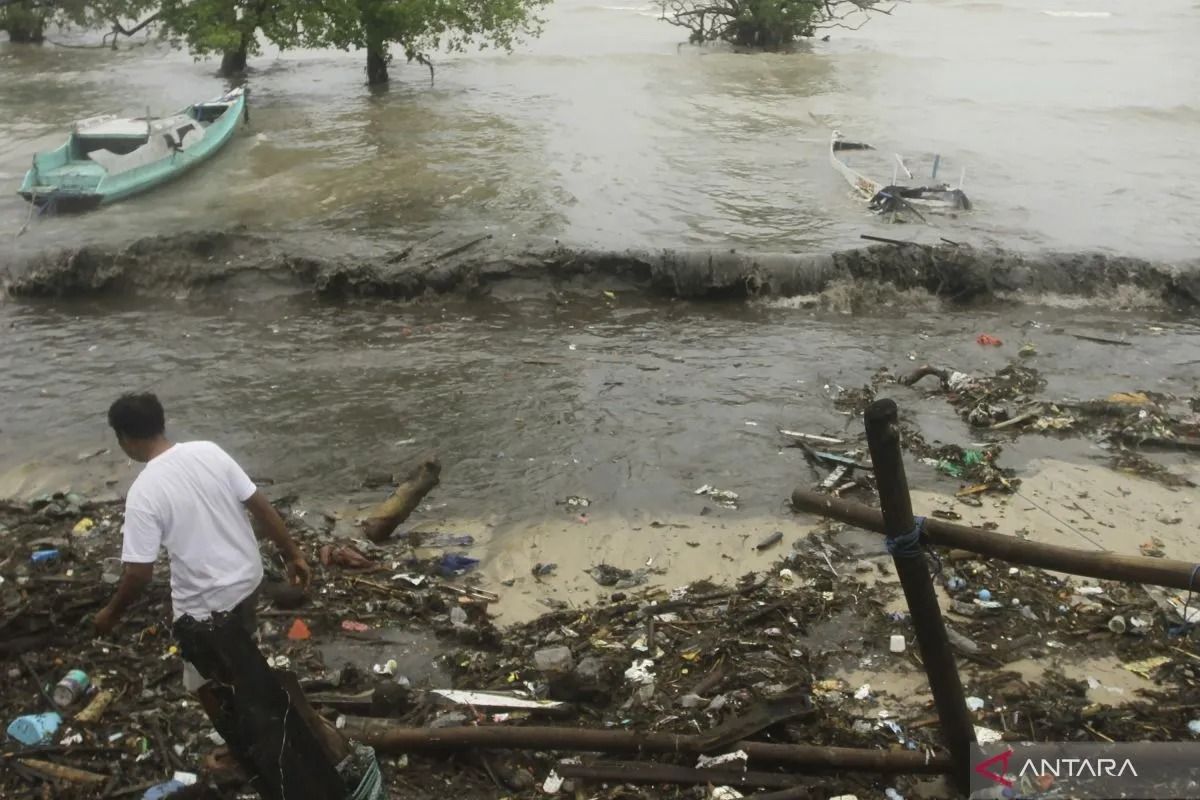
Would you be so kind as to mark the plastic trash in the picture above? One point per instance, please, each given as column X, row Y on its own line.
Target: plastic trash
column 363, row 762
column 974, row 703
column 299, row 631
column 84, row 526
column 724, row 793
column 33, row 729
column 163, row 790
column 554, row 659
column 552, row 783
column 446, row 540
column 987, row 340
column 354, row 627
column 984, row 595
column 1194, row 727
column 897, row 643
column 42, row 556
column 457, row 563
column 1117, row 624
column 987, row 735
column 458, row 617
column 955, row 584
column 639, row 672
column 707, row 762
column 70, row 688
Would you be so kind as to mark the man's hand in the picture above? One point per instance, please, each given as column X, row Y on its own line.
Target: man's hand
column 271, row 526
column 104, row 621
column 299, row 573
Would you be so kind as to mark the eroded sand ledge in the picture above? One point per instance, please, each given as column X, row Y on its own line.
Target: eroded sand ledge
column 332, row 266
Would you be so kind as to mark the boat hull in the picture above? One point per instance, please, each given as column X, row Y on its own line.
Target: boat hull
column 940, row 199
column 89, row 187
column 66, row 202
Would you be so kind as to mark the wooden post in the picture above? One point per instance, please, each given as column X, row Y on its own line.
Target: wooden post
column 883, row 438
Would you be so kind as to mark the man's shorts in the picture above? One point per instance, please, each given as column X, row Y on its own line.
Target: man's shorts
column 246, row 613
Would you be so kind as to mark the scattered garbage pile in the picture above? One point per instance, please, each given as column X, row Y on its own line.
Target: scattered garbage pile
column 770, row 662
column 1006, row 403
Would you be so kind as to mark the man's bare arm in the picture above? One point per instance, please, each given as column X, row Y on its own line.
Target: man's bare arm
column 134, row 580
column 270, row 526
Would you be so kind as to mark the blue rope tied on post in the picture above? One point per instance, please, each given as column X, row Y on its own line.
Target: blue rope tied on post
column 1186, row 627
column 907, row 545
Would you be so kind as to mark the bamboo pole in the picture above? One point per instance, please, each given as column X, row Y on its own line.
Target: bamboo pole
column 388, row 738
column 1093, row 564
column 883, row 439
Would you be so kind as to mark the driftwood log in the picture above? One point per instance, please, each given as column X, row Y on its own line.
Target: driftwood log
column 1092, row 564
column 389, row 738
column 383, row 518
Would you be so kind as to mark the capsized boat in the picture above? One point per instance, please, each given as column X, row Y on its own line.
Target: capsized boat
column 938, row 198
column 107, row 159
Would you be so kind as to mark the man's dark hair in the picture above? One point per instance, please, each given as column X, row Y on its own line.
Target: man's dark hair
column 137, row 416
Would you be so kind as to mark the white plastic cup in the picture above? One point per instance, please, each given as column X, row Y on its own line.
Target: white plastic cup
column 897, row 643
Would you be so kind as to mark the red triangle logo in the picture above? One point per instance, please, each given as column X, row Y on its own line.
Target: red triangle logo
column 996, row 777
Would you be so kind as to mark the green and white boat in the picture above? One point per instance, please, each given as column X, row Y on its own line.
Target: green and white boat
column 107, row 159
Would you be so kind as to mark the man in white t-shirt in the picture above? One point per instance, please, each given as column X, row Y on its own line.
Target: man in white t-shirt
column 191, row 500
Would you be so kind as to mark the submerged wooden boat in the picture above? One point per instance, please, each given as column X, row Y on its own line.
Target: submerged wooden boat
column 107, row 159
column 894, row 197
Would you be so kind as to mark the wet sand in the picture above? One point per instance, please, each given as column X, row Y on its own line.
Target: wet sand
column 1059, row 503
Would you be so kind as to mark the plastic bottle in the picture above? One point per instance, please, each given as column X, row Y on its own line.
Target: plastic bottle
column 33, row 729
column 70, row 688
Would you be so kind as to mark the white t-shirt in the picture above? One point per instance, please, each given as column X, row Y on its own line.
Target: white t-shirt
column 189, row 500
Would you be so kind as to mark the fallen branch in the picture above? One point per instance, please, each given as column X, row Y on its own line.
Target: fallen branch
column 885, row 240
column 1100, row 340
column 759, row 718
column 638, row 772
column 704, row 599
column 1092, row 564
column 1015, row 421
column 391, row 739
column 384, row 518
column 1180, row 443
column 60, row 773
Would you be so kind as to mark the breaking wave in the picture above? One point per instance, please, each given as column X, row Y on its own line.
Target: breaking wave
column 847, row 280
